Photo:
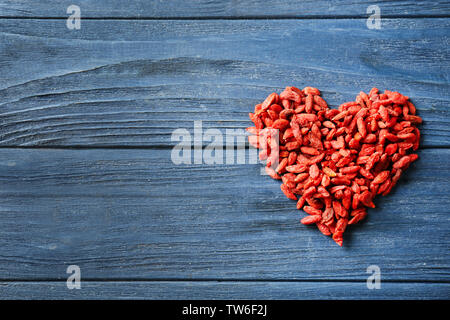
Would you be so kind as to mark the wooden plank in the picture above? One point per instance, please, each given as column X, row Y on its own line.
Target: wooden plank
column 133, row 214
column 211, row 290
column 116, row 83
column 218, row 8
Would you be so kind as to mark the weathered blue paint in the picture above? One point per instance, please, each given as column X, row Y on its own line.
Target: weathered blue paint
column 106, row 196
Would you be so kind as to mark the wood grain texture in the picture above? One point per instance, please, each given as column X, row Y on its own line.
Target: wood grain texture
column 212, row 290
column 116, row 83
column 132, row 214
column 220, row 8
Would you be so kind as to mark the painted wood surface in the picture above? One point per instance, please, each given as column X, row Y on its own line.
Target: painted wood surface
column 116, row 83
column 220, row 8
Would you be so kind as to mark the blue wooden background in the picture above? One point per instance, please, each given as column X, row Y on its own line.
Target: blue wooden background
column 86, row 177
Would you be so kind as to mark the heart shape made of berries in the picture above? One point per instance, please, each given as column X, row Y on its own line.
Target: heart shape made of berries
column 334, row 162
